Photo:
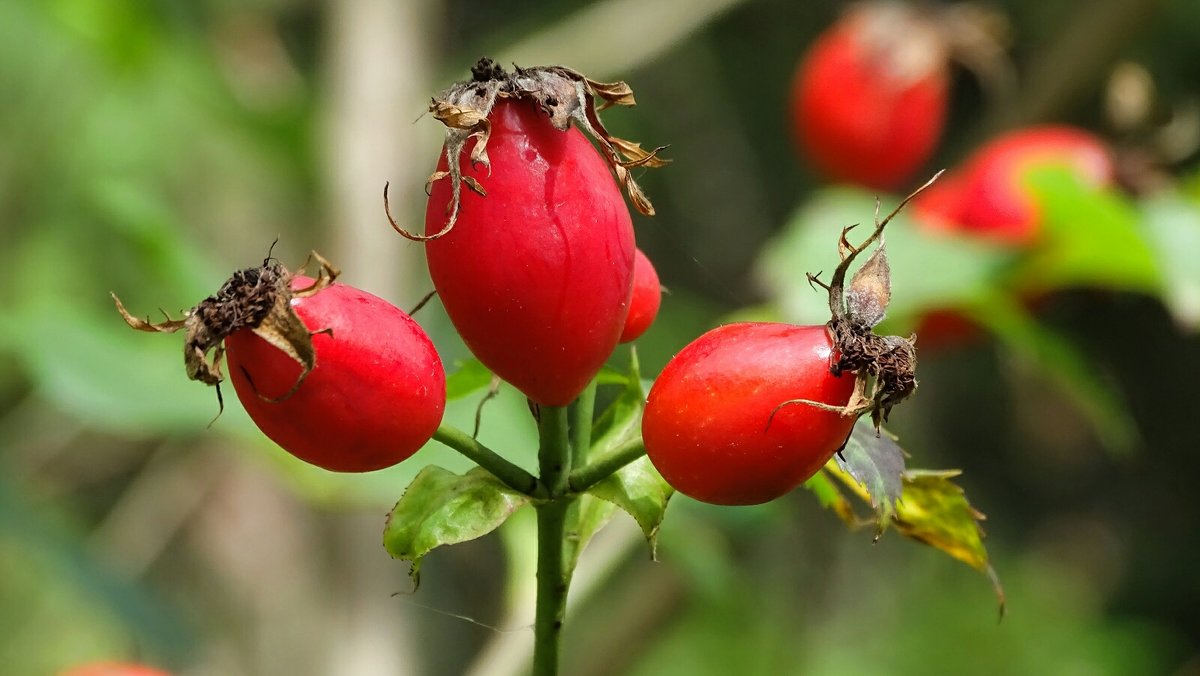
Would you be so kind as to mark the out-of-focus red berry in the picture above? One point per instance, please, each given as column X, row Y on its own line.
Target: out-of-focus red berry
column 868, row 100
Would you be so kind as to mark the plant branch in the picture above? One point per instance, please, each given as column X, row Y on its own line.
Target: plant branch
column 509, row 473
column 553, row 578
column 606, row 463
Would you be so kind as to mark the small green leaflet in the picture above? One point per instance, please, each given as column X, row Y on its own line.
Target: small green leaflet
column 641, row 491
column 876, row 462
column 585, row 517
column 443, row 508
column 637, row 488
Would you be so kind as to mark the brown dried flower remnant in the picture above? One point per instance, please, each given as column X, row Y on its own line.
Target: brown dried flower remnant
column 563, row 94
column 886, row 364
column 258, row 299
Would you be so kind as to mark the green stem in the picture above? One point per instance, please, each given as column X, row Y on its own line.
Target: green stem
column 554, row 460
column 603, row 465
column 511, row 474
column 581, row 424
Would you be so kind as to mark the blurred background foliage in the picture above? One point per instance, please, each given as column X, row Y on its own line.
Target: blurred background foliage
column 150, row 148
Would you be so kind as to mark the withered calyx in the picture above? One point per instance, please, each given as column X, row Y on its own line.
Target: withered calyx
column 565, row 96
column 258, row 299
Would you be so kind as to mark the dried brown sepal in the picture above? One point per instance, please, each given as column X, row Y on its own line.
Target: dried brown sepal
column 885, row 367
column 565, row 96
column 871, row 289
column 258, row 299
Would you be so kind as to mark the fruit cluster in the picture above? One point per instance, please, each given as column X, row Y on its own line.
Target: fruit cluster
column 536, row 267
column 538, row 272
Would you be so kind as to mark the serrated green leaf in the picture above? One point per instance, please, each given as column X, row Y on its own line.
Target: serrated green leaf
column 935, row 511
column 470, row 376
column 929, row 270
column 1089, row 238
column 1057, row 358
column 443, row 508
column 585, row 517
column 876, row 462
column 1172, row 226
column 641, row 491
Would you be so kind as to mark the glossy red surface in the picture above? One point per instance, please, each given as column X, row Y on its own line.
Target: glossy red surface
column 706, row 420
column 376, row 395
column 647, row 297
column 536, row 276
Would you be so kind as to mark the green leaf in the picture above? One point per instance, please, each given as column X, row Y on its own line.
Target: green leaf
column 1089, row 238
column 929, row 270
column 443, row 508
column 876, row 462
column 471, row 376
column 935, row 511
column 622, row 420
column 641, row 491
column 585, row 517
column 1055, row 357
column 1172, row 226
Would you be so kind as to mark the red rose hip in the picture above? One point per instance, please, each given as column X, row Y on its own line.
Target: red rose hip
column 375, row 396
column 989, row 197
column 868, row 100
column 537, row 275
column 647, row 297
column 708, row 425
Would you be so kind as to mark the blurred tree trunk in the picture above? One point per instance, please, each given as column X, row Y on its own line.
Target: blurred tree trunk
column 377, row 65
column 377, row 71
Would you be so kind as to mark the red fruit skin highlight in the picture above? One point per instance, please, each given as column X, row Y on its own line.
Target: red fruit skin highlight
column 375, row 396
column 537, row 276
column 706, row 420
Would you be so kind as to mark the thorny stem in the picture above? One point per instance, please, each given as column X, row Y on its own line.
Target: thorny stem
column 512, row 475
column 837, row 304
column 607, row 463
column 553, row 577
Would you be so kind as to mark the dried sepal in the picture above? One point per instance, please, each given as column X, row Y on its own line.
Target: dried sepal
column 884, row 366
column 870, row 289
column 168, row 326
column 612, row 93
column 564, row 95
column 636, row 156
column 258, row 299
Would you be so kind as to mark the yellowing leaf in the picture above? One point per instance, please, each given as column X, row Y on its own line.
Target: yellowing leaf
column 934, row 510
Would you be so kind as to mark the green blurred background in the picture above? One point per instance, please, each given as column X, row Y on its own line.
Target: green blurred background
column 150, row 148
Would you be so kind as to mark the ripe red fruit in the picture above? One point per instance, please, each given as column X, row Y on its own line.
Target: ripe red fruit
column 537, row 275
column 375, row 396
column 113, row 669
column 989, row 197
column 708, row 425
column 868, row 100
column 647, row 296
